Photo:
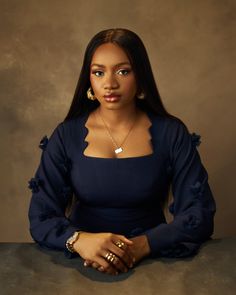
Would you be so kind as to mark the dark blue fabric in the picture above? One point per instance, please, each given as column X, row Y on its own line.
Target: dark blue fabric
column 123, row 195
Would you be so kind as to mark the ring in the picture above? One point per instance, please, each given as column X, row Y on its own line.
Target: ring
column 110, row 257
column 120, row 244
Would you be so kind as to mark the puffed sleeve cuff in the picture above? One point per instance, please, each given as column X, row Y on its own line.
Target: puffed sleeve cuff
column 162, row 243
column 61, row 242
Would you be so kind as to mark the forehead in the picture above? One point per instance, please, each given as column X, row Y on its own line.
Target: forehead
column 108, row 54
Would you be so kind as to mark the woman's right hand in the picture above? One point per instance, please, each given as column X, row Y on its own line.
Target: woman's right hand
column 95, row 246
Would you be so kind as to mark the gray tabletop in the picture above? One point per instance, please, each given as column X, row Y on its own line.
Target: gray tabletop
column 27, row 269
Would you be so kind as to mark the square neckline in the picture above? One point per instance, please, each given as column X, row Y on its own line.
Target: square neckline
column 85, row 143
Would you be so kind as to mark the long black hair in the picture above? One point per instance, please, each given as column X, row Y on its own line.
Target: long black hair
column 137, row 54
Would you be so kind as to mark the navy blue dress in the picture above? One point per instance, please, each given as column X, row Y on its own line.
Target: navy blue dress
column 124, row 195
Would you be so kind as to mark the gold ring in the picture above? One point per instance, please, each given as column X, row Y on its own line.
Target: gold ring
column 120, row 244
column 110, row 257
column 115, row 260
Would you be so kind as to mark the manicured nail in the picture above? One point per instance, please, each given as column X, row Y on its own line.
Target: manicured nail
column 85, row 263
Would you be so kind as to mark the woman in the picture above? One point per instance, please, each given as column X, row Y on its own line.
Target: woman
column 117, row 153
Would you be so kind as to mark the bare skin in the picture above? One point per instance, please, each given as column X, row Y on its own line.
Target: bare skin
column 138, row 250
column 94, row 247
column 111, row 72
column 100, row 144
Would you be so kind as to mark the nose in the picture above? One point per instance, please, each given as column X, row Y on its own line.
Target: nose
column 110, row 82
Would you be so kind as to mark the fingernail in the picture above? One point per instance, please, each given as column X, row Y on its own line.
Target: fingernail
column 133, row 260
column 85, row 263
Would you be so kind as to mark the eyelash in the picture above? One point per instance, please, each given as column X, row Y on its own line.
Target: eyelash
column 124, row 70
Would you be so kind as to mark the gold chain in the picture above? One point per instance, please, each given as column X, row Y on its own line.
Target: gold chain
column 118, row 148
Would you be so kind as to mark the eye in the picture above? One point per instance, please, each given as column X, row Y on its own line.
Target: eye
column 123, row 72
column 97, row 73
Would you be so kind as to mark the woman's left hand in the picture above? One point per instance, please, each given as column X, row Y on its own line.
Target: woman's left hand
column 139, row 250
column 140, row 247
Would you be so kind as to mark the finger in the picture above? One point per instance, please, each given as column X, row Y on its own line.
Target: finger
column 101, row 268
column 88, row 262
column 105, row 266
column 115, row 261
column 131, row 254
column 95, row 265
column 109, row 270
column 125, row 248
column 123, row 245
column 123, row 239
column 125, row 257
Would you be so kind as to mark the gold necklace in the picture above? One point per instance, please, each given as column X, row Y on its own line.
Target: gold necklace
column 119, row 148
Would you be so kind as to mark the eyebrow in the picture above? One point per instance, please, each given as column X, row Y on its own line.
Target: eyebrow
column 119, row 64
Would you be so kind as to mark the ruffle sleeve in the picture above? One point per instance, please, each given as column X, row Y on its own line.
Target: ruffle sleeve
column 51, row 193
column 193, row 207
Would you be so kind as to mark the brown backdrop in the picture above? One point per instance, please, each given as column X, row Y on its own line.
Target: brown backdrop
column 191, row 45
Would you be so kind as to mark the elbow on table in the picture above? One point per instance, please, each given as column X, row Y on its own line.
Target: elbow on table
column 205, row 230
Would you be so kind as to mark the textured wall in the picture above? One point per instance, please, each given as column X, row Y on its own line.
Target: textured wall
column 191, row 45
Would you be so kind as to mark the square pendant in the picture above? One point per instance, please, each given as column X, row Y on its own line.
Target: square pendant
column 119, row 150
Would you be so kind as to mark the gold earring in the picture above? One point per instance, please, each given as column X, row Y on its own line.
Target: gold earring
column 90, row 95
column 141, row 95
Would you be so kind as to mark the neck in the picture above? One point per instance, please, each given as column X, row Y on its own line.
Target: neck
column 119, row 118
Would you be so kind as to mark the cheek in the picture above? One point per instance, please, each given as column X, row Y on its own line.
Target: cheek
column 94, row 83
column 131, row 85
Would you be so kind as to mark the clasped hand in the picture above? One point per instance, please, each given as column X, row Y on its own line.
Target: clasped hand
column 111, row 253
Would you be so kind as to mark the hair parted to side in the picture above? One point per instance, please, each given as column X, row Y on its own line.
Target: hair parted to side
column 137, row 54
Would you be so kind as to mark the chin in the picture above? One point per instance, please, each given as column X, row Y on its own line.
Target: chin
column 112, row 106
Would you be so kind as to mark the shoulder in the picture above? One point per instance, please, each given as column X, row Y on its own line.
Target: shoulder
column 64, row 133
column 73, row 124
column 168, row 127
column 71, row 128
column 173, row 134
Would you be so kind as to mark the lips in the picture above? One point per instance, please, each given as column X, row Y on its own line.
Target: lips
column 112, row 97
